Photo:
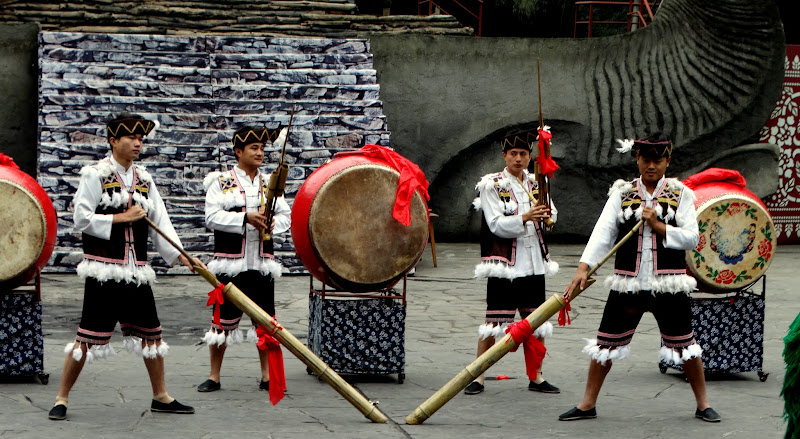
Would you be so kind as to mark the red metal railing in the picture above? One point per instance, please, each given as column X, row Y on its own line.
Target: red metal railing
column 477, row 16
column 635, row 8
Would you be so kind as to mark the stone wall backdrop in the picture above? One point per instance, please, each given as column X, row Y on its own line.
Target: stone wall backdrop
column 322, row 18
column 200, row 88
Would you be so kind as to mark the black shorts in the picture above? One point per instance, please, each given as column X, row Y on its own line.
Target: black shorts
column 623, row 312
column 109, row 302
column 505, row 296
column 258, row 287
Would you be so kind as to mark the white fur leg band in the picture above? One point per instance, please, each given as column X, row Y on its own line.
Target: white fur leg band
column 603, row 355
column 676, row 356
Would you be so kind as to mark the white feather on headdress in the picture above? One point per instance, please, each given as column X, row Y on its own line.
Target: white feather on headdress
column 625, row 145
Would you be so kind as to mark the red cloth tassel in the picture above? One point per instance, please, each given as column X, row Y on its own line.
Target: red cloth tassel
column 546, row 163
column 412, row 179
column 215, row 297
column 7, row 161
column 277, row 378
column 534, row 350
column 563, row 315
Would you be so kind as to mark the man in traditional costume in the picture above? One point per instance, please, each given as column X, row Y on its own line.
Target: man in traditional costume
column 514, row 256
column 113, row 197
column 649, row 273
column 234, row 211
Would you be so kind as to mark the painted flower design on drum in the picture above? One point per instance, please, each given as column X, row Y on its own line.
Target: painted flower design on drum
column 765, row 249
column 764, row 253
column 736, row 208
column 725, row 277
column 701, row 244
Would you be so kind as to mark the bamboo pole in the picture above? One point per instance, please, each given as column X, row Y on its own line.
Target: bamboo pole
column 289, row 341
column 238, row 298
column 502, row 347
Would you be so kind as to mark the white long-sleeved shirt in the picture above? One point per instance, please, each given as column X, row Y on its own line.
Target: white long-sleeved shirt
column 217, row 218
column 529, row 255
column 88, row 197
column 683, row 237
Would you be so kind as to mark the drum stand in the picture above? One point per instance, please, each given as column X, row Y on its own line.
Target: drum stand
column 21, row 318
column 358, row 332
column 720, row 317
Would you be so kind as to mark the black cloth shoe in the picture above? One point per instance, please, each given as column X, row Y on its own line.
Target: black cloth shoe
column 708, row 415
column 543, row 387
column 263, row 385
column 58, row 412
column 173, row 407
column 208, row 385
column 474, row 388
column 575, row 414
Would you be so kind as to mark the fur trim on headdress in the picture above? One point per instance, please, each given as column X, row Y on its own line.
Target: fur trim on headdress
column 677, row 357
column 605, row 354
column 625, row 145
column 102, row 271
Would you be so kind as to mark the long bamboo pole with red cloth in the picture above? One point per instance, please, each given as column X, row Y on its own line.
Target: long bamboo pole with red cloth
column 502, row 347
column 289, row 341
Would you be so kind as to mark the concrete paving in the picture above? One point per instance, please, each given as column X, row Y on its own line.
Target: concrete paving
column 445, row 307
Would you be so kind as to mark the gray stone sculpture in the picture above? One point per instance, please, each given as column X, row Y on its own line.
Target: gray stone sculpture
column 709, row 72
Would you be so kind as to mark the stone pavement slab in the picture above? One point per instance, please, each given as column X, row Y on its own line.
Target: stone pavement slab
column 445, row 307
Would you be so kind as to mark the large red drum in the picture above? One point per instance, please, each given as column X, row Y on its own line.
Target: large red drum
column 343, row 229
column 737, row 235
column 27, row 228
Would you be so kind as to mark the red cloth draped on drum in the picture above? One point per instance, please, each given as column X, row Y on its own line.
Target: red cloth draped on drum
column 360, row 221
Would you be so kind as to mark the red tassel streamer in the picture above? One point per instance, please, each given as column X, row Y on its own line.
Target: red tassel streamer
column 277, row 378
column 546, row 163
column 534, row 350
column 563, row 315
column 215, row 297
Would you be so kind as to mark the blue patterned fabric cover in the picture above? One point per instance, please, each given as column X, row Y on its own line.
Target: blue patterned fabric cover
column 21, row 340
column 731, row 332
column 359, row 335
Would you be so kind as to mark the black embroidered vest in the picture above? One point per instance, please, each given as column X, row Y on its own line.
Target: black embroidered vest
column 232, row 245
column 116, row 249
column 504, row 250
column 629, row 256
